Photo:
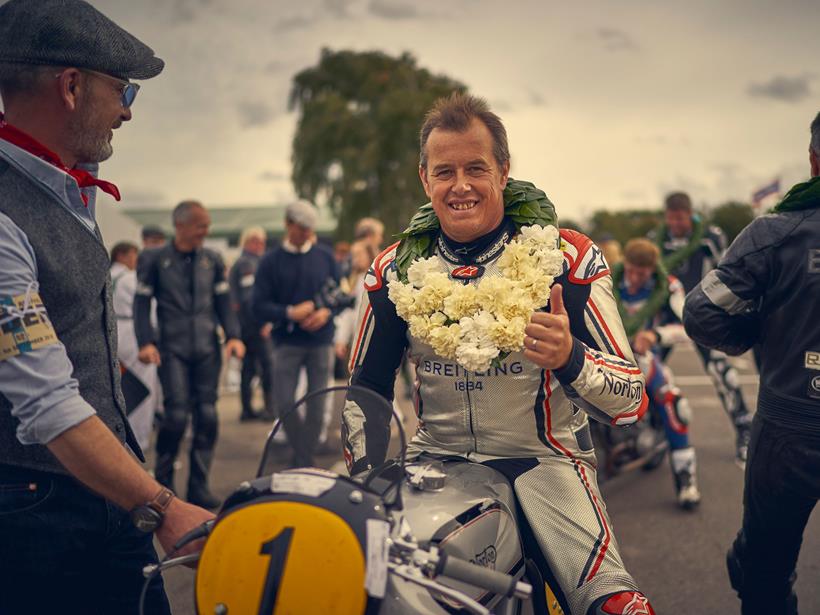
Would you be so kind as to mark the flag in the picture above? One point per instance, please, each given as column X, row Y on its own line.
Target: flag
column 761, row 193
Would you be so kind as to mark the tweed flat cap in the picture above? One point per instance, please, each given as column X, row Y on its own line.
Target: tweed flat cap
column 72, row 33
column 302, row 213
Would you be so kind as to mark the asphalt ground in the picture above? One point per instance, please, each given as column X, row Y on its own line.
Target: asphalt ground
column 677, row 557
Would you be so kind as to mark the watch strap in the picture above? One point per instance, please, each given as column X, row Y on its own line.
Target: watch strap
column 162, row 500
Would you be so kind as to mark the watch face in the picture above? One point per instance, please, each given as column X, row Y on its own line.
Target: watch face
column 145, row 518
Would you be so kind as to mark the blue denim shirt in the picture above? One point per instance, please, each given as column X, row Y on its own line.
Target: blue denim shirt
column 44, row 396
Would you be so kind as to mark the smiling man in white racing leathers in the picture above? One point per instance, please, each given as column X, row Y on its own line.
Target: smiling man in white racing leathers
column 527, row 416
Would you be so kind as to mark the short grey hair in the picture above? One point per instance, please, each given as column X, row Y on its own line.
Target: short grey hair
column 182, row 212
column 19, row 79
column 815, row 135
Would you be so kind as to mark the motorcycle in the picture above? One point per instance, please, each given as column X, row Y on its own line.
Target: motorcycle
column 432, row 535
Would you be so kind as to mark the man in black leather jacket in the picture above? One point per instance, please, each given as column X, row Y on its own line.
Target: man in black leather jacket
column 188, row 282
column 766, row 290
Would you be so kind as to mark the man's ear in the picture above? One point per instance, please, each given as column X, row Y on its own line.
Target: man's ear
column 71, row 86
column 424, row 182
column 505, row 174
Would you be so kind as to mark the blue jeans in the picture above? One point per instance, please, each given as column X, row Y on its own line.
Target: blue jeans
column 64, row 549
column 288, row 359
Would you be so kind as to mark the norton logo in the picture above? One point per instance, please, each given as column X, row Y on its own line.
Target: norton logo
column 467, row 272
column 815, row 383
column 486, row 558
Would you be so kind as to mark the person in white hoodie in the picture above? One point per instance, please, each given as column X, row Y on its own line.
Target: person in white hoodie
column 124, row 286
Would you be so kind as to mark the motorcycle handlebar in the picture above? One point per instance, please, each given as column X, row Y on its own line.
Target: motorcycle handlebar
column 478, row 576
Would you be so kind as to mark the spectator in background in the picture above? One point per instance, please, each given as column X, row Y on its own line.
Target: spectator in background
column 294, row 291
column 341, row 252
column 188, row 282
column 152, row 237
column 123, row 289
column 258, row 350
column 690, row 250
column 362, row 255
column 370, row 230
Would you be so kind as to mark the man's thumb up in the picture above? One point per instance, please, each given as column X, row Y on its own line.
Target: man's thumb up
column 557, row 300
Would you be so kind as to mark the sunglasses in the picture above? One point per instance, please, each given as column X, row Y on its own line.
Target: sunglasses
column 128, row 90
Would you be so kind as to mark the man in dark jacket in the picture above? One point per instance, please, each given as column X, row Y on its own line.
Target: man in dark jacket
column 690, row 250
column 296, row 289
column 766, row 291
column 258, row 350
column 188, row 282
column 68, row 473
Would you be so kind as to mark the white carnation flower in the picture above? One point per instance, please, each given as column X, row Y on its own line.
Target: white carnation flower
column 420, row 269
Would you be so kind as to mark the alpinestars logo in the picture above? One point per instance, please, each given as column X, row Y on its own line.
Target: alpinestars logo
column 628, row 603
column 467, row 272
column 639, row 605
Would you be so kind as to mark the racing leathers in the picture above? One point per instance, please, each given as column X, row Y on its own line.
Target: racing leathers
column 665, row 399
column 192, row 301
column 523, row 420
column 766, row 291
column 724, row 376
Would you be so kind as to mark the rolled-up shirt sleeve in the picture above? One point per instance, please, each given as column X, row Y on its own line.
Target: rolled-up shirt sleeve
column 44, row 396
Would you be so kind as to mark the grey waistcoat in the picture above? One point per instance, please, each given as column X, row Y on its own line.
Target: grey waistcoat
column 75, row 286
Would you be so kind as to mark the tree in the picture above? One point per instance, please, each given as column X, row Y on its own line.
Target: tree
column 622, row 225
column 356, row 143
column 732, row 217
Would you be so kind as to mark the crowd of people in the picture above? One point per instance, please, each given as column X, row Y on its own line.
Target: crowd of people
column 98, row 347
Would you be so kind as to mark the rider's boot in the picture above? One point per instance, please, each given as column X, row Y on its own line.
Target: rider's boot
column 622, row 603
column 684, row 468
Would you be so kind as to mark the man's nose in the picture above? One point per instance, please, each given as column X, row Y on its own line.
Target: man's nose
column 462, row 184
column 126, row 114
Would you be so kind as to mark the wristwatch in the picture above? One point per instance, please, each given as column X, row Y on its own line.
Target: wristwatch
column 148, row 517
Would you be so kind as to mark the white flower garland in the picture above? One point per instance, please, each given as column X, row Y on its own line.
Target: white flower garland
column 474, row 323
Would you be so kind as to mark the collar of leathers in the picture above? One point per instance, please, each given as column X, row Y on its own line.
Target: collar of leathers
column 801, row 196
column 524, row 205
column 657, row 299
column 674, row 259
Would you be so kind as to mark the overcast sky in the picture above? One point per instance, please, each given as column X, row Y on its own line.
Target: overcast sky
column 608, row 104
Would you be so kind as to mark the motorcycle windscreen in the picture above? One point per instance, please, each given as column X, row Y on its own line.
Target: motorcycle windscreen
column 485, row 535
column 281, row 557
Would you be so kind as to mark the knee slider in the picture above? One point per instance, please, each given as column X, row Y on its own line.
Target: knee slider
column 622, row 603
column 681, row 406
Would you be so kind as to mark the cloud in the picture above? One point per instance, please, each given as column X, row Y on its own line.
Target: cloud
column 186, row 11
column 614, row 39
column 254, row 114
column 393, row 9
column 537, row 99
column 337, row 8
column 293, row 22
column 785, row 89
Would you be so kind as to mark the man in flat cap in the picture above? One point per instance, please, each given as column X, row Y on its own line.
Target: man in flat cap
column 77, row 512
column 296, row 289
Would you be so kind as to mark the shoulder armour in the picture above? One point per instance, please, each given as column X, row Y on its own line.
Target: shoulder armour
column 583, row 260
column 374, row 279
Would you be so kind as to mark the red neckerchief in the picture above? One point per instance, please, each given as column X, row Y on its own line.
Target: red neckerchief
column 17, row 137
